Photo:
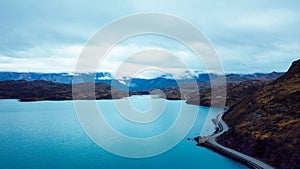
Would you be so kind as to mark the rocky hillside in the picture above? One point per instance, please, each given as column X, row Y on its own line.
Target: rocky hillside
column 266, row 124
column 234, row 93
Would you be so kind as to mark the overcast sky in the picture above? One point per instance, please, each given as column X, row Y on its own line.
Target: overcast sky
column 48, row 36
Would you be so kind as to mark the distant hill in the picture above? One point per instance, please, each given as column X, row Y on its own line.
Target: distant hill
column 44, row 90
column 234, row 93
column 266, row 124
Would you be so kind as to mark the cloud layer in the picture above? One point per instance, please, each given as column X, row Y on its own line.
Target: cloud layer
column 253, row 36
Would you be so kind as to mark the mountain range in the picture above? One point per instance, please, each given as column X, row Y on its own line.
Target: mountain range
column 131, row 84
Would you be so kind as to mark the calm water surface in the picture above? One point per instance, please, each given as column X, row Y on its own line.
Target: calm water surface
column 48, row 135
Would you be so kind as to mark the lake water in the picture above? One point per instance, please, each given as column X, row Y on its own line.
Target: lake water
column 48, row 134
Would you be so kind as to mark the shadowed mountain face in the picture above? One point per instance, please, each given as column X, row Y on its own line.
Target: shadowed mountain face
column 266, row 124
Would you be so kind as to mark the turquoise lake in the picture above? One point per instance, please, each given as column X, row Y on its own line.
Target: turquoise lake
column 47, row 134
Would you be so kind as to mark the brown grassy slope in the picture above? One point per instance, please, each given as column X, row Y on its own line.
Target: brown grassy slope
column 266, row 125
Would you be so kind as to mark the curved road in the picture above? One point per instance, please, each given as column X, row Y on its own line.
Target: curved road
column 250, row 161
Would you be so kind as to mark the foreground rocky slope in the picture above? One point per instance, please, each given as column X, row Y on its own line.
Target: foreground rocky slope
column 266, row 125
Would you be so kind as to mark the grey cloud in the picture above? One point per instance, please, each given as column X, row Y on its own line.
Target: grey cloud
column 258, row 35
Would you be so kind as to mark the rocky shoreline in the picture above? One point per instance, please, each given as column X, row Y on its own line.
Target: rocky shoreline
column 210, row 143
